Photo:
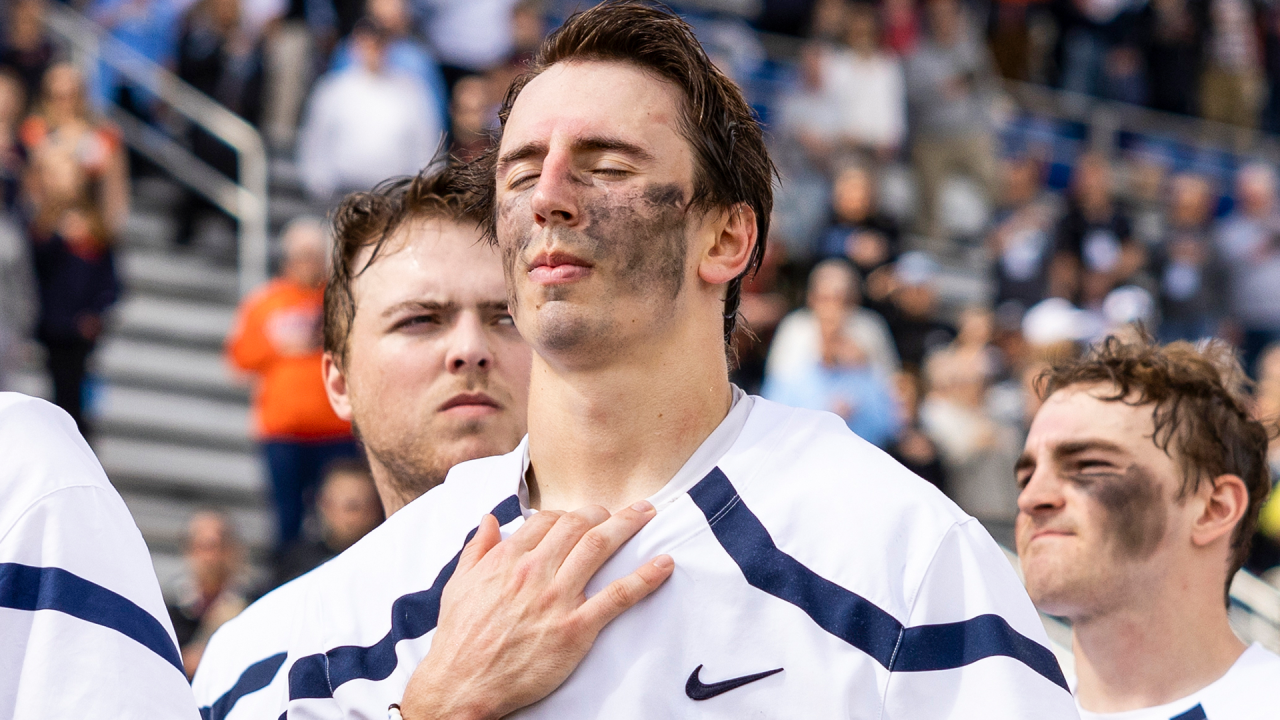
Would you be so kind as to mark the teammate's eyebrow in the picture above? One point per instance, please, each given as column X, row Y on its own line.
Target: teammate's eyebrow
column 1077, row 447
column 412, row 305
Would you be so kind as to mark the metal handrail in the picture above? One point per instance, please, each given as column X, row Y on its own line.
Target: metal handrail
column 246, row 201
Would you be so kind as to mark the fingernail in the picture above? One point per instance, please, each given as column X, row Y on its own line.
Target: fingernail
column 663, row 562
column 643, row 506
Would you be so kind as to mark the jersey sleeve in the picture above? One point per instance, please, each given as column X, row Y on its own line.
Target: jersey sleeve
column 85, row 633
column 974, row 645
column 307, row 692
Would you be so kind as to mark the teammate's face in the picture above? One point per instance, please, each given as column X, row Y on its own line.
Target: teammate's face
column 436, row 373
column 1098, row 506
column 593, row 184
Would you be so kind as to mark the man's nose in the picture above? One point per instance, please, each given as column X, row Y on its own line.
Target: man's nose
column 469, row 348
column 1042, row 492
column 555, row 198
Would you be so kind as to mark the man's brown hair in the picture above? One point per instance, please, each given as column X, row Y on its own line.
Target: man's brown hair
column 1200, row 413
column 731, row 163
column 368, row 220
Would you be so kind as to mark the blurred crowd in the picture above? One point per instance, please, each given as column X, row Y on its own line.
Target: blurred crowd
column 884, row 298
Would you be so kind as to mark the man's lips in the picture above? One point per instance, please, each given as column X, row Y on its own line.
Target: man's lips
column 1048, row 533
column 470, row 403
column 556, row 268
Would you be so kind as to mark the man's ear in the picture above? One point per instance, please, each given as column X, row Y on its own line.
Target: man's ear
column 730, row 252
column 1224, row 502
column 335, row 386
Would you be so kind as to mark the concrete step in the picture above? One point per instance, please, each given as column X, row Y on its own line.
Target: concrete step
column 152, row 229
column 193, row 475
column 173, row 320
column 125, row 411
column 181, row 276
column 160, row 366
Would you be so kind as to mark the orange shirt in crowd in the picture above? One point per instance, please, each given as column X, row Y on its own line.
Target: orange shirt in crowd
column 277, row 338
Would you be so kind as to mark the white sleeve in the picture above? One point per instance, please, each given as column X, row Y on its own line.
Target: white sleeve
column 974, row 645
column 307, row 691
column 83, row 628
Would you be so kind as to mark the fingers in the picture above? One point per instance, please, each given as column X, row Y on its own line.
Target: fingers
column 599, row 543
column 570, row 530
column 532, row 531
column 623, row 593
column 487, row 535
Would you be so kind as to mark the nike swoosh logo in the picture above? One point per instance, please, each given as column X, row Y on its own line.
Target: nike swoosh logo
column 697, row 690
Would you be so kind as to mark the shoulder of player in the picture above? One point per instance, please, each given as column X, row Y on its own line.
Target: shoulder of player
column 812, row 458
column 44, row 456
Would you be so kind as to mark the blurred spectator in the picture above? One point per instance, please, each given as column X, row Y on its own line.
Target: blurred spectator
column 26, row 49
column 840, row 379
column 949, row 79
column 471, row 116
column 860, row 232
column 833, row 292
column 277, row 339
column 469, row 36
column 63, row 123
column 1096, row 50
column 1021, row 239
column 366, row 123
column 1013, row 46
column 347, row 508
column 1271, row 67
column 977, row 451
column 912, row 447
column 1250, row 240
column 1173, row 51
column 211, row 593
column 1189, row 268
column 1265, row 553
column 18, row 303
column 1095, row 250
column 912, row 309
column 216, row 55
column 405, row 54
column 1230, row 85
column 869, row 85
column 75, row 273
column 763, row 306
column 302, row 32
column 148, row 26
column 13, row 156
column 901, row 26
column 811, row 112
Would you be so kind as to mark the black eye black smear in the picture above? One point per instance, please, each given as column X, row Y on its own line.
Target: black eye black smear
column 1133, row 501
column 635, row 239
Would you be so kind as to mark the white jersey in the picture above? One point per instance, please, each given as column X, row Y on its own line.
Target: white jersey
column 1246, row 692
column 83, row 627
column 814, row 578
column 240, row 673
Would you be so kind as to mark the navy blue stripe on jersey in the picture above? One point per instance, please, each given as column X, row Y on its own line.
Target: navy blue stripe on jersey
column 849, row 616
column 1195, row 713
column 412, row 616
column 255, row 677
column 25, row 587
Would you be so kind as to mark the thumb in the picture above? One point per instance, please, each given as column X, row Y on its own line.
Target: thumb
column 487, row 536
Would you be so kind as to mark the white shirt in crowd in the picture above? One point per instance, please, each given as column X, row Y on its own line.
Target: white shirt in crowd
column 470, row 34
column 871, row 94
column 362, row 127
column 1246, row 692
column 241, row 674
column 83, row 628
column 797, row 344
column 814, row 578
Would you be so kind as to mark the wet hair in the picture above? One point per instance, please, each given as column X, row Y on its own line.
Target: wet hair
column 1199, row 409
column 367, row 220
column 731, row 163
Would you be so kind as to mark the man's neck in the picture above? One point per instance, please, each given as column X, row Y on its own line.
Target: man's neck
column 391, row 491
column 616, row 435
column 1165, row 646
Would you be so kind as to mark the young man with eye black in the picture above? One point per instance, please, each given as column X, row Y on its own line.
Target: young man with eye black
column 786, row 568
column 1142, row 479
column 422, row 358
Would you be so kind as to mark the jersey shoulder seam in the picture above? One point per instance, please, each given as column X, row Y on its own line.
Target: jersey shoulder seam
column 40, row 499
